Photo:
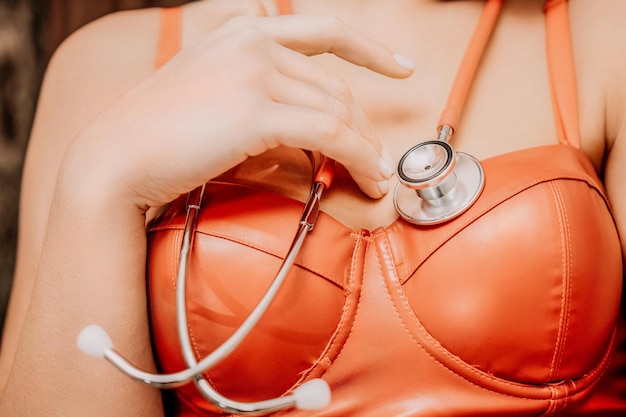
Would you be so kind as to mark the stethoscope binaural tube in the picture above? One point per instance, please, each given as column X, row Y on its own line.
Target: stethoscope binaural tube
column 319, row 398
column 313, row 394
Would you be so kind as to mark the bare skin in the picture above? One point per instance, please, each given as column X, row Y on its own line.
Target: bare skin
column 102, row 123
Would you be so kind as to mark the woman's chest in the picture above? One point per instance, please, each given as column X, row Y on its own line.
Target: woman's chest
column 509, row 105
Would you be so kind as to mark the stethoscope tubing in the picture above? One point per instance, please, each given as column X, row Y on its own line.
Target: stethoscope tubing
column 311, row 394
column 305, row 225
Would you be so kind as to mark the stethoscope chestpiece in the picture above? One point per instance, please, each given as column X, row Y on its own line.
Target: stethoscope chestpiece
column 436, row 184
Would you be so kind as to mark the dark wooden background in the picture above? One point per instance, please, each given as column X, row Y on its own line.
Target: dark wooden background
column 30, row 30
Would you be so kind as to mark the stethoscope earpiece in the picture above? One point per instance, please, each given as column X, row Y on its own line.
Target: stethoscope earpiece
column 436, row 184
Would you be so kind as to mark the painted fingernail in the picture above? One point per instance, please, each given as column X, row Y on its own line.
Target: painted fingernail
column 405, row 61
column 383, row 186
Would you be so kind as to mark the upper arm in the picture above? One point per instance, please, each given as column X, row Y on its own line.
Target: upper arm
column 88, row 71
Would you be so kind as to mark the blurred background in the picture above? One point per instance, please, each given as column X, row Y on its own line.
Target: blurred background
column 30, row 31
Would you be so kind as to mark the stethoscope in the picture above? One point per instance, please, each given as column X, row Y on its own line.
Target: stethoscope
column 435, row 185
column 313, row 394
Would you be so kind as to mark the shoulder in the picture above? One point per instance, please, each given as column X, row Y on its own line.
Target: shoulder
column 127, row 40
column 88, row 71
column 120, row 44
column 105, row 58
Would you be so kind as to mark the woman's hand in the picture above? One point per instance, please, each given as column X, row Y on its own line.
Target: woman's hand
column 246, row 88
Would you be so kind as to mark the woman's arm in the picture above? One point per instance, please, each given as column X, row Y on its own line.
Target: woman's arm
column 91, row 271
column 244, row 89
column 89, row 71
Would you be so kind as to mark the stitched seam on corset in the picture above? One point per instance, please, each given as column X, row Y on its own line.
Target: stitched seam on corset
column 174, row 256
column 566, row 261
column 435, row 343
column 273, row 251
column 192, row 338
column 324, row 357
column 413, row 267
column 196, row 350
column 358, row 303
column 571, row 388
column 565, row 398
column 557, row 405
column 552, row 409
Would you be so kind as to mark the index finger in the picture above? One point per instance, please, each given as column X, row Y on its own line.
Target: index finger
column 314, row 35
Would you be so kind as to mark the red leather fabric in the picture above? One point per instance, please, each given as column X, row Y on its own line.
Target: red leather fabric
column 509, row 309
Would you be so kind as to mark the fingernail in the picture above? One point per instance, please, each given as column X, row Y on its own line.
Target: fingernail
column 386, row 165
column 405, row 61
column 386, row 169
column 383, row 186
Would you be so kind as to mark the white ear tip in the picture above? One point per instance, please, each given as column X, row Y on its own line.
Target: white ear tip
column 312, row 395
column 93, row 340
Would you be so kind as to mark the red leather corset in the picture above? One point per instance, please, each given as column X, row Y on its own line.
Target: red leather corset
column 509, row 309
